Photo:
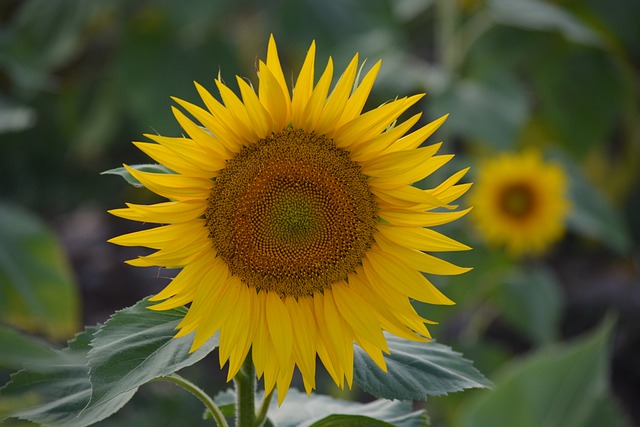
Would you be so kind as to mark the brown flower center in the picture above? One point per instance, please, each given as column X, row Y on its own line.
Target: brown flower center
column 517, row 200
column 291, row 213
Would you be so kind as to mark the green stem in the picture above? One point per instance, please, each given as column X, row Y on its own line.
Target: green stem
column 446, row 15
column 245, row 381
column 200, row 394
column 261, row 415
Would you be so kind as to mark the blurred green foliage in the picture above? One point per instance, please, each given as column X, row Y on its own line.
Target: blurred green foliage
column 37, row 288
column 79, row 79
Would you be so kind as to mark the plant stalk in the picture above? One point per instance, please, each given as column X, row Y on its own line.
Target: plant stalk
column 200, row 394
column 261, row 415
column 245, row 381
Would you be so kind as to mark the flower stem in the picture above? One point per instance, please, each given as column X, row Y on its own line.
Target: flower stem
column 261, row 415
column 200, row 394
column 446, row 11
column 245, row 381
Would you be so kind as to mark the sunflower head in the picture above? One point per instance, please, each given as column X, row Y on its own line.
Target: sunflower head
column 520, row 202
column 293, row 218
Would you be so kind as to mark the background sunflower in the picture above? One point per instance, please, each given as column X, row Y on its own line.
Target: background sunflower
column 79, row 79
column 520, row 202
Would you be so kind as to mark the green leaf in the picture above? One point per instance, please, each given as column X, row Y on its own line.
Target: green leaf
column 565, row 106
column 338, row 420
column 491, row 111
column 153, row 168
column 531, row 302
column 135, row 346
column 557, row 386
column 298, row 409
column 416, row 370
column 592, row 215
column 37, row 289
column 56, row 396
column 543, row 16
column 606, row 412
column 19, row 349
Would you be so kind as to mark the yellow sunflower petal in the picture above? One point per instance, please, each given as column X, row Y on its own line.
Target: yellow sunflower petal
column 395, row 318
column 373, row 122
column 216, row 122
column 182, row 283
column 398, row 303
column 423, row 239
column 304, row 336
column 162, row 213
column 173, row 186
column 237, row 330
column 420, row 219
column 304, row 86
column 212, row 135
column 279, row 327
column 419, row 260
column 274, row 99
column 206, row 157
column 359, row 315
column 317, row 100
column 369, row 150
column 227, row 305
column 336, row 102
column 409, row 198
column 259, row 116
column 327, row 350
column 168, row 158
column 238, row 112
column 359, row 96
column 160, row 237
column 414, row 139
column 405, row 279
column 340, row 337
column 176, row 255
column 273, row 63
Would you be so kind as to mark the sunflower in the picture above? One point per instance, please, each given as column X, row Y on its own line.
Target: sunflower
column 294, row 221
column 520, row 202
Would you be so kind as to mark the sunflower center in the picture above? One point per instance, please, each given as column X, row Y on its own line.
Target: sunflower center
column 517, row 200
column 291, row 213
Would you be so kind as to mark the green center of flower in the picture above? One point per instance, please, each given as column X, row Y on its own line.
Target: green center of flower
column 517, row 200
column 291, row 213
column 294, row 218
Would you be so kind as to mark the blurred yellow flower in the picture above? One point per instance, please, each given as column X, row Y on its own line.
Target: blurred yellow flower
column 520, row 202
column 295, row 222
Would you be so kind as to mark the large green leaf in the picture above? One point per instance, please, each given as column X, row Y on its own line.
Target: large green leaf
column 557, row 386
column 19, row 348
column 135, row 346
column 298, row 410
column 531, row 301
column 416, row 370
column 37, row 289
column 152, row 167
column 57, row 395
